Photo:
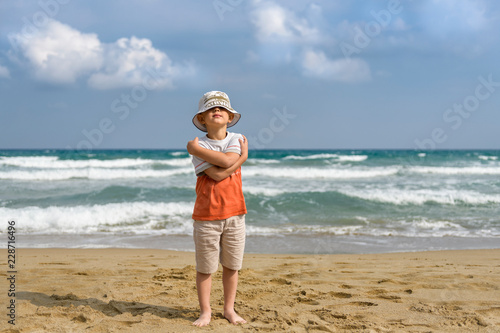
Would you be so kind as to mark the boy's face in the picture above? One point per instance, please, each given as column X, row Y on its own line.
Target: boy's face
column 216, row 116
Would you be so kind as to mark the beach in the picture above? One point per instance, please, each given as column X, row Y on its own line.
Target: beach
column 298, row 201
column 334, row 241
column 147, row 290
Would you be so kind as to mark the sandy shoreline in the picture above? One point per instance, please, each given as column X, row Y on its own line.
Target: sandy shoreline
column 129, row 290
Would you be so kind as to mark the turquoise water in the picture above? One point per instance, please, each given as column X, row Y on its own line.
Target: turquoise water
column 298, row 200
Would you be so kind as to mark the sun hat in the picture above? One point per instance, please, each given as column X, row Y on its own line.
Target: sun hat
column 210, row 100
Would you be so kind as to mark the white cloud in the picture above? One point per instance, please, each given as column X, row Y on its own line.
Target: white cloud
column 287, row 38
column 61, row 54
column 4, row 72
column 275, row 23
column 352, row 70
column 129, row 62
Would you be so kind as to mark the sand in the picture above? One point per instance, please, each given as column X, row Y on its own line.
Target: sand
column 128, row 290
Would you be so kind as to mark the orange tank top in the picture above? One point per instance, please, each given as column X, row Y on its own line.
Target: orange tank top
column 219, row 200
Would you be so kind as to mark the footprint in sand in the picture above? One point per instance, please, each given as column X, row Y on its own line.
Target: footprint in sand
column 280, row 281
column 307, row 300
column 364, row 303
column 340, row 294
column 346, row 286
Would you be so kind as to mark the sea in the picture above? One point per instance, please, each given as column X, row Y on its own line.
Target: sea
column 298, row 201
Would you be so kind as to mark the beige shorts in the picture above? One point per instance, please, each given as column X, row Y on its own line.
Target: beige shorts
column 222, row 240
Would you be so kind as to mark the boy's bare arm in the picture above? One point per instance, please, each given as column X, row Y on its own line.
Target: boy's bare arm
column 218, row 173
column 223, row 160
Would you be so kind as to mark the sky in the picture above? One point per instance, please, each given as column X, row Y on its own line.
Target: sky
column 320, row 74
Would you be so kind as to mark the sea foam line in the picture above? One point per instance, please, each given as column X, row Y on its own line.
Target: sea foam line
column 54, row 162
column 319, row 173
column 90, row 173
column 488, row 158
column 346, row 158
column 174, row 218
column 406, row 228
column 75, row 219
column 476, row 170
column 420, row 197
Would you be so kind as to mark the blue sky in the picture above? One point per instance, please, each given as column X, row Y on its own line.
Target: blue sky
column 303, row 74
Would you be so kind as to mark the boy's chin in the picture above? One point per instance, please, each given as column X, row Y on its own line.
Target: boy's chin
column 217, row 124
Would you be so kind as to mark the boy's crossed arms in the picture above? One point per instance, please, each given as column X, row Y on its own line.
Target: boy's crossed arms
column 224, row 164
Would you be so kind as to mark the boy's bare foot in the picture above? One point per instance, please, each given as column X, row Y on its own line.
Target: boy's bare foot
column 234, row 318
column 204, row 319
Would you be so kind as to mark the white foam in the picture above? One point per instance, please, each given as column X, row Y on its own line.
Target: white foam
column 88, row 219
column 252, row 230
column 415, row 228
column 436, row 225
column 270, row 192
column 320, row 173
column 301, row 229
column 488, row 158
column 352, row 158
column 149, row 218
column 91, row 173
column 419, row 197
column 342, row 158
column 310, row 157
column 178, row 153
column 30, row 162
column 53, row 162
column 262, row 161
column 479, row 170
column 422, row 154
column 428, row 228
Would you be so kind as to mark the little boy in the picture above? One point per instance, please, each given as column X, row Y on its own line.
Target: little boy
column 219, row 210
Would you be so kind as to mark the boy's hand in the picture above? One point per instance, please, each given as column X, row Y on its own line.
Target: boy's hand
column 244, row 146
column 192, row 145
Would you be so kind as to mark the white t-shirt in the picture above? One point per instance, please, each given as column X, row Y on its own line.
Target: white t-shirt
column 229, row 145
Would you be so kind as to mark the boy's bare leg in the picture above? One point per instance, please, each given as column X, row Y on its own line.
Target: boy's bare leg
column 230, row 283
column 204, row 286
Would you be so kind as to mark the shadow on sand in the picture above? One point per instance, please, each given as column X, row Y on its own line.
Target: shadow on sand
column 111, row 308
